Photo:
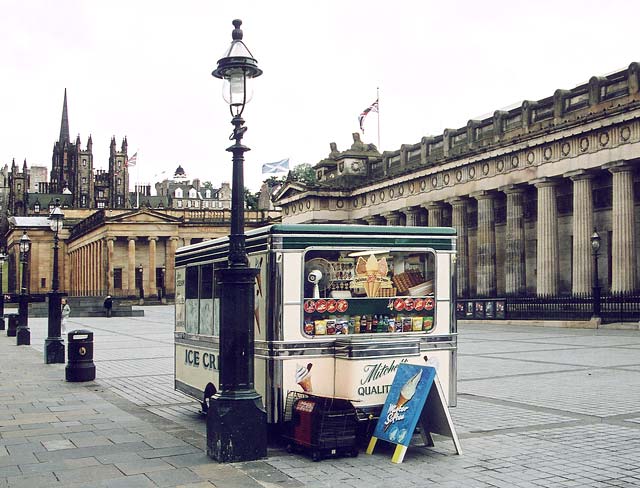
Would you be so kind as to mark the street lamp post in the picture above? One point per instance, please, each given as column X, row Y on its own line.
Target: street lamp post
column 141, row 273
column 236, row 419
column 162, row 284
column 3, row 258
column 23, row 334
column 595, row 245
column 53, row 344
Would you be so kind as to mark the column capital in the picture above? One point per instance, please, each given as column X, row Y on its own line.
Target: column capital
column 391, row 214
column 579, row 174
column 617, row 166
column 545, row 182
column 411, row 210
column 457, row 201
column 483, row 194
column 152, row 238
column 174, row 238
column 110, row 238
column 433, row 205
column 132, row 238
column 512, row 189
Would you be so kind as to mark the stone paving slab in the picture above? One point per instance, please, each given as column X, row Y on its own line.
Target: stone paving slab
column 481, row 367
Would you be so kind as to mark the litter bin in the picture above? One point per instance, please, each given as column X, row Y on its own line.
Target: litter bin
column 80, row 365
column 13, row 324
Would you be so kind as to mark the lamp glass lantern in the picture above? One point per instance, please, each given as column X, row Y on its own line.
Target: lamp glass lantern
column 56, row 218
column 595, row 241
column 237, row 68
column 25, row 244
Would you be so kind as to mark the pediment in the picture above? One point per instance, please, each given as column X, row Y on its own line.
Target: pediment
column 290, row 189
column 144, row 215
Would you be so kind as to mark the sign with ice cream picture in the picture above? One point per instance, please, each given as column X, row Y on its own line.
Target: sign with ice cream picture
column 415, row 396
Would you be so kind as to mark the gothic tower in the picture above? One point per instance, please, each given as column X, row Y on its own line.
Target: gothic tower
column 72, row 167
column 18, row 189
column 119, row 175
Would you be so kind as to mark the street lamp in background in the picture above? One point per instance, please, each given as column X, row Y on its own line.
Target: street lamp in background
column 53, row 344
column 23, row 334
column 141, row 272
column 3, row 258
column 236, row 419
column 595, row 245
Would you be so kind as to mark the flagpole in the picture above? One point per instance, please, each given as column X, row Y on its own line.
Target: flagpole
column 378, row 98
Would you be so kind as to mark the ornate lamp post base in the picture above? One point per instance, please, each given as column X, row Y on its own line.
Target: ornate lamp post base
column 53, row 344
column 23, row 334
column 236, row 429
column 236, row 420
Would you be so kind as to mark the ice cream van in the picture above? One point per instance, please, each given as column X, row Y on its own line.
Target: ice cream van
column 337, row 309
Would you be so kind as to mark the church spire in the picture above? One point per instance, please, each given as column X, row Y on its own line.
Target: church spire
column 64, row 125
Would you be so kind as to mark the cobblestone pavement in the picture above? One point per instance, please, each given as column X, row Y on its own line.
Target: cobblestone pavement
column 537, row 407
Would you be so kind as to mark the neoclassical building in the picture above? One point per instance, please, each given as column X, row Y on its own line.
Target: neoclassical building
column 124, row 253
column 525, row 190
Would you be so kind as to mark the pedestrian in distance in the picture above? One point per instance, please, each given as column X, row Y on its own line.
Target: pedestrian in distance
column 66, row 311
column 108, row 304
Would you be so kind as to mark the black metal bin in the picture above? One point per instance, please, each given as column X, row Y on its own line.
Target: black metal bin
column 12, row 327
column 80, row 365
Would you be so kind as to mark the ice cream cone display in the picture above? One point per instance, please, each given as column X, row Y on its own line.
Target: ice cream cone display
column 372, row 273
column 303, row 377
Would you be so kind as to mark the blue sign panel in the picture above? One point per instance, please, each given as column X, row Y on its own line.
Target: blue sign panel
column 404, row 404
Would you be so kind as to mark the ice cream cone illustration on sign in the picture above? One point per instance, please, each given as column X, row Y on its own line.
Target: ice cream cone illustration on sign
column 406, row 393
column 372, row 273
column 303, row 377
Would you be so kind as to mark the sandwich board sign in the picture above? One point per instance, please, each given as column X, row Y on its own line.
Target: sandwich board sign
column 415, row 397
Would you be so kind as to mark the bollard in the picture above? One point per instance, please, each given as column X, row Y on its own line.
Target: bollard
column 13, row 324
column 80, row 365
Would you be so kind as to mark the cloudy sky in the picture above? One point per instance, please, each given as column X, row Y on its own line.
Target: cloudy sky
column 142, row 68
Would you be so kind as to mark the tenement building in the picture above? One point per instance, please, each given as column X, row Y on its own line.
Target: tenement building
column 525, row 190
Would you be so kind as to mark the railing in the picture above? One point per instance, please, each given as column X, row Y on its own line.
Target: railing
column 613, row 308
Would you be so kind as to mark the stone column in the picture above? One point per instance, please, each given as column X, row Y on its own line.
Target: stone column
column 131, row 268
column 461, row 224
column 393, row 218
column 582, row 266
column 514, row 269
column 486, row 245
column 110, row 245
column 413, row 216
column 153, row 289
column 435, row 214
column 548, row 269
column 186, row 241
column 623, row 245
column 170, row 273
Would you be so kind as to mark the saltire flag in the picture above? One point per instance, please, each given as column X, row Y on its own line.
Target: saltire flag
column 132, row 160
column 277, row 167
column 371, row 108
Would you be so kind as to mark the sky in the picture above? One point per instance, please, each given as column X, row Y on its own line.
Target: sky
column 142, row 69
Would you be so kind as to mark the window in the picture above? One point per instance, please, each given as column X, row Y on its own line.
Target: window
column 193, row 193
column 84, row 180
column 100, row 194
column 43, row 282
column 19, row 186
column 207, row 193
column 100, row 204
column 191, row 300
column 83, row 200
column 36, row 207
column 178, row 193
column 119, row 181
column 179, row 203
column 117, row 278
column 119, row 164
column 119, row 200
column 84, row 162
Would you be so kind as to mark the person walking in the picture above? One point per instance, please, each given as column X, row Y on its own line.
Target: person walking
column 108, row 304
column 66, row 311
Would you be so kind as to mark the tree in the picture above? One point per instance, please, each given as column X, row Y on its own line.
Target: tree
column 304, row 173
column 250, row 199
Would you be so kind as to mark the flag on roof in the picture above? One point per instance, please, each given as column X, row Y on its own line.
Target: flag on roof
column 277, row 167
column 371, row 108
column 132, row 160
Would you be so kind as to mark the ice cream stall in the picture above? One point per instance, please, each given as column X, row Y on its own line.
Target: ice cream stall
column 337, row 309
